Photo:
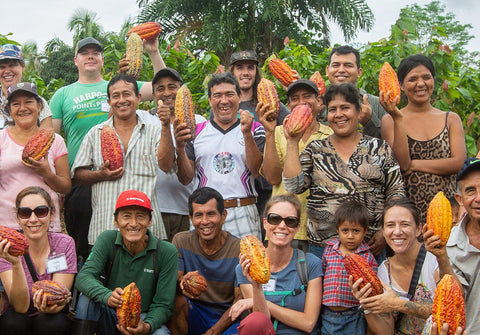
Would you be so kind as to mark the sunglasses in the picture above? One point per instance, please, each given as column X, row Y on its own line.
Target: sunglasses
column 275, row 219
column 26, row 212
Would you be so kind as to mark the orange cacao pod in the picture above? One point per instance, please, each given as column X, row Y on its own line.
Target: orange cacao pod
column 38, row 145
column 299, row 120
column 18, row 242
column 146, row 31
column 439, row 217
column 388, row 82
column 184, row 110
column 267, row 94
column 111, row 148
column 129, row 313
column 281, row 71
column 194, row 283
column 358, row 267
column 56, row 293
column 254, row 250
column 448, row 304
column 318, row 80
column 134, row 55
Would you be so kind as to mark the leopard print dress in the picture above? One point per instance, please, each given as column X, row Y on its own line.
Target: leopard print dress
column 421, row 187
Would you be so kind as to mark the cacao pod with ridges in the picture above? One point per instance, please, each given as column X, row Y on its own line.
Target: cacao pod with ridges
column 281, row 71
column 357, row 267
column 56, row 293
column 146, row 31
column 267, row 94
column 448, row 304
column 184, row 110
column 134, row 55
column 253, row 249
column 439, row 217
column 299, row 120
column 111, row 148
column 388, row 82
column 38, row 145
column 129, row 313
column 18, row 241
column 194, row 283
column 319, row 81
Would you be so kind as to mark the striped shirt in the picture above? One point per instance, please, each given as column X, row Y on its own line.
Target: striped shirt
column 140, row 163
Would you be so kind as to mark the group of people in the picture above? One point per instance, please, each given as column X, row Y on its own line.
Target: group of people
column 364, row 171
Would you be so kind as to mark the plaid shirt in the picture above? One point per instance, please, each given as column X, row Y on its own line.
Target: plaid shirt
column 336, row 291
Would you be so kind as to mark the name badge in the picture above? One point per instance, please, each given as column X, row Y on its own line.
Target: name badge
column 56, row 263
column 105, row 107
column 270, row 286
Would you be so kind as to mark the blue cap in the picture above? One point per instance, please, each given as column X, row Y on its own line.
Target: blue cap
column 11, row 51
column 471, row 164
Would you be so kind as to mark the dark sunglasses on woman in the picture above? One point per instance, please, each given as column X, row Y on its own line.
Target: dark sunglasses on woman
column 275, row 219
column 26, row 212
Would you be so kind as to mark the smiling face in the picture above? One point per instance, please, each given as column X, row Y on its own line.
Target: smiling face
column 400, row 229
column 418, row 84
column 165, row 89
column 89, row 59
column 307, row 96
column 10, row 73
column 207, row 220
column 24, row 109
column 342, row 116
column 133, row 221
column 225, row 102
column 343, row 69
column 469, row 195
column 281, row 234
column 245, row 72
column 351, row 235
column 123, row 100
column 34, row 227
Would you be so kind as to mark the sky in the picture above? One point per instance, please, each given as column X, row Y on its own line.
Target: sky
column 43, row 20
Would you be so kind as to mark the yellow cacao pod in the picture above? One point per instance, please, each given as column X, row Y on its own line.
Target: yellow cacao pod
column 448, row 304
column 281, row 71
column 254, row 250
column 134, row 55
column 267, row 94
column 388, row 82
column 439, row 217
column 184, row 110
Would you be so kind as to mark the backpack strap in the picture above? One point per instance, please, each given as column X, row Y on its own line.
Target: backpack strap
column 105, row 278
column 302, row 268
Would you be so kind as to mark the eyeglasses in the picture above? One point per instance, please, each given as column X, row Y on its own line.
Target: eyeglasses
column 26, row 212
column 275, row 219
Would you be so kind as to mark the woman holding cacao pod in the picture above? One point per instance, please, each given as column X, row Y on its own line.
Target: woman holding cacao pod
column 346, row 165
column 48, row 266
column 428, row 143
column 293, row 306
column 410, row 276
column 29, row 156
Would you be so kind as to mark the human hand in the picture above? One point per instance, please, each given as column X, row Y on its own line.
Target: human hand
column 142, row 328
column 268, row 118
column 365, row 111
column 246, row 121
column 40, row 167
column 123, row 64
column 151, row 45
column 4, row 247
column 444, row 330
column 40, row 303
column 358, row 293
column 108, row 174
column 382, row 303
column 164, row 113
column 377, row 243
column 239, row 307
column 182, row 134
column 433, row 244
column 296, row 138
column 390, row 107
column 182, row 283
column 115, row 299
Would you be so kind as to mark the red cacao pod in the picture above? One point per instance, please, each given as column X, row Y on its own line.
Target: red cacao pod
column 129, row 313
column 318, row 80
column 448, row 304
column 184, row 110
column 18, row 242
column 253, row 249
column 146, row 31
column 194, row 283
column 358, row 267
column 281, row 71
column 388, row 82
column 267, row 94
column 111, row 148
column 56, row 293
column 439, row 217
column 299, row 120
column 38, row 145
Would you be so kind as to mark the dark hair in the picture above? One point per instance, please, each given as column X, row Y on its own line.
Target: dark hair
column 225, row 77
column 203, row 195
column 349, row 92
column 405, row 203
column 8, row 60
column 409, row 63
column 287, row 197
column 352, row 211
column 125, row 78
column 453, row 201
column 345, row 50
column 37, row 98
column 258, row 77
column 34, row 190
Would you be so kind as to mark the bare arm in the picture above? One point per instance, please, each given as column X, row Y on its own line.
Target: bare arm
column 151, row 47
column 254, row 157
column 85, row 175
column 57, row 125
column 291, row 166
column 272, row 167
column 185, row 166
column 46, row 123
column 166, row 150
column 59, row 181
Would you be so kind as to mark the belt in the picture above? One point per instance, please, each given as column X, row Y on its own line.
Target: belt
column 240, row 202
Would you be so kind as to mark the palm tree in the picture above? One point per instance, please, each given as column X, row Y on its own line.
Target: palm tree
column 84, row 23
column 33, row 60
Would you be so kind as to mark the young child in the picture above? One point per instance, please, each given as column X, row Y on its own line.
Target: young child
column 340, row 313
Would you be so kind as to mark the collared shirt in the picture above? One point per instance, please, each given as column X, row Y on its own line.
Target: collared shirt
column 336, row 291
column 140, row 163
column 465, row 260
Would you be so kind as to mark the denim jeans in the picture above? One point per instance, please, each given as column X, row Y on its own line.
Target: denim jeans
column 352, row 321
column 317, row 251
column 107, row 317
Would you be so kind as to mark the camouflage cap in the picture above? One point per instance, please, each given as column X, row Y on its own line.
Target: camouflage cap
column 243, row 55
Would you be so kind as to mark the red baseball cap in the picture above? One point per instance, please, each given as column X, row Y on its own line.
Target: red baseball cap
column 133, row 198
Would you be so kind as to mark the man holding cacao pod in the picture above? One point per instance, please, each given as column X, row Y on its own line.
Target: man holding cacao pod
column 225, row 155
column 78, row 107
column 118, row 258
column 344, row 67
column 209, row 255
column 463, row 246
column 138, row 145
